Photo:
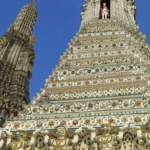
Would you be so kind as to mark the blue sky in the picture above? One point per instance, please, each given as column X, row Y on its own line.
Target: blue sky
column 57, row 23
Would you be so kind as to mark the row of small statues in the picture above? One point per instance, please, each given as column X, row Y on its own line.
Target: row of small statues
column 106, row 139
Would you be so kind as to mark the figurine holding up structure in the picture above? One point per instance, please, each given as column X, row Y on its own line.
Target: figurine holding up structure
column 61, row 142
column 106, row 140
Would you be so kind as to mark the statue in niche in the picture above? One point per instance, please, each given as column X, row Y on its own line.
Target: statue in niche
column 61, row 142
column 106, row 140
column 19, row 141
column 105, row 11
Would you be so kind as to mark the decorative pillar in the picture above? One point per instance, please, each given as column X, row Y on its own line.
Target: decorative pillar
column 113, row 8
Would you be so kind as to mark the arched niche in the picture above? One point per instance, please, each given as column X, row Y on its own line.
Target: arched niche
column 101, row 7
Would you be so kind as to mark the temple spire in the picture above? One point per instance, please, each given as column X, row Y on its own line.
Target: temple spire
column 97, row 97
column 16, row 61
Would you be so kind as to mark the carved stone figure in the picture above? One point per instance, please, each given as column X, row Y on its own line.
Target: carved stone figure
column 20, row 142
column 106, row 140
column 105, row 11
column 143, row 137
column 61, row 142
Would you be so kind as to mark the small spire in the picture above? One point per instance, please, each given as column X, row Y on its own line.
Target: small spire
column 33, row 2
column 32, row 40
